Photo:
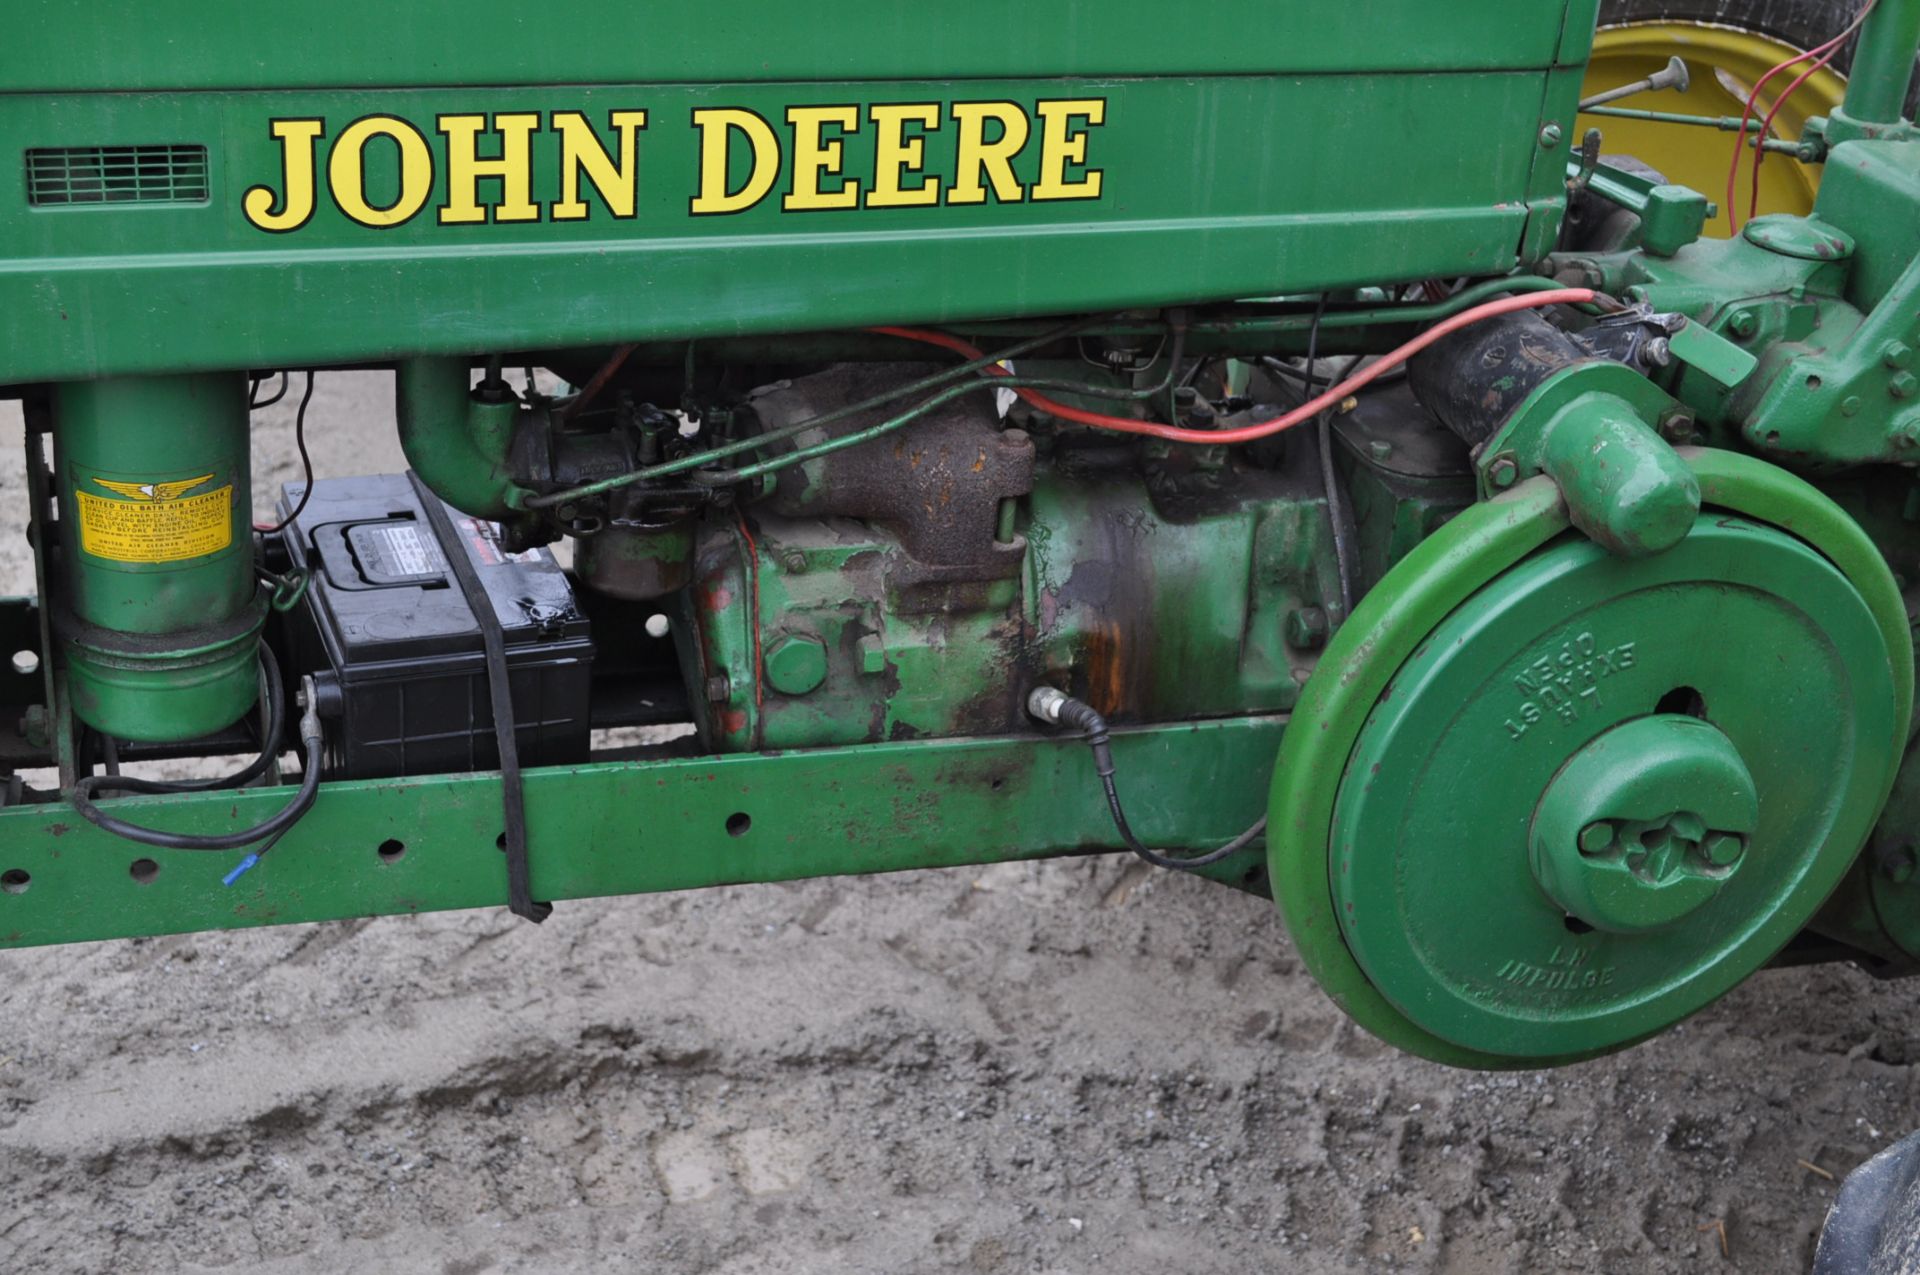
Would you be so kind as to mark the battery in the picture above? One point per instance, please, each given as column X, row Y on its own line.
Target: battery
column 397, row 654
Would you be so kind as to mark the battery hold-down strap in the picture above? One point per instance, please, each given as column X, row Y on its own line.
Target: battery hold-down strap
column 520, row 899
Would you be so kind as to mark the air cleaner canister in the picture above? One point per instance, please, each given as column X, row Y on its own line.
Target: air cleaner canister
column 158, row 609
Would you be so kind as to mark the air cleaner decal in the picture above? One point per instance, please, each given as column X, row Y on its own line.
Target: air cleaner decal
column 154, row 521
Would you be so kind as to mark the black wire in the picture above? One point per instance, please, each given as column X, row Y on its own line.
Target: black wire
column 1199, row 365
column 306, row 461
column 1081, row 716
column 290, row 814
column 83, row 791
column 274, row 693
column 255, row 403
column 1329, row 475
column 1290, row 371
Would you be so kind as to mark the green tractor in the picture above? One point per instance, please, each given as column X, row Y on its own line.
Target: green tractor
column 1378, row 465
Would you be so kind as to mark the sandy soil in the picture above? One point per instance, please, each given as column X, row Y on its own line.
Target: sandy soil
column 1071, row 1067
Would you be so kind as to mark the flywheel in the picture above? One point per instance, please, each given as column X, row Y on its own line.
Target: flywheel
column 1539, row 802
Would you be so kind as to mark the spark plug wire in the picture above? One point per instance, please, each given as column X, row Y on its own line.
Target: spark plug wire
column 1824, row 51
column 1760, row 152
column 1287, row 420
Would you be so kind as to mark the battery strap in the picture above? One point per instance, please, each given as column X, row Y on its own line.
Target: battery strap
column 520, row 899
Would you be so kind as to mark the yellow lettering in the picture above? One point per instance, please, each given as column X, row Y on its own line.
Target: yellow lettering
column 513, row 167
column 298, row 140
column 1062, row 144
column 346, row 170
column 815, row 157
column 717, row 126
column 980, row 158
column 895, row 155
column 617, row 181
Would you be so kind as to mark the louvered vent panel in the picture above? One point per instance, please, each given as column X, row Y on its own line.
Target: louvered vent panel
column 65, row 176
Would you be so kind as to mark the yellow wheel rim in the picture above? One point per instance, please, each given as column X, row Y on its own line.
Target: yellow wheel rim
column 1725, row 63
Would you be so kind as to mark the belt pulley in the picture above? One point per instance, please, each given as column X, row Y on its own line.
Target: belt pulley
column 1539, row 801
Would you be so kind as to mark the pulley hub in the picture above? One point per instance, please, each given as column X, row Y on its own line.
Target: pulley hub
column 1644, row 825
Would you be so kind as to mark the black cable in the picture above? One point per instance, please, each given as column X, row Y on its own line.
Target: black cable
column 84, row 791
column 1199, row 365
column 273, row 693
column 306, row 461
column 255, row 402
column 1173, row 368
column 1339, row 508
column 520, row 900
column 1293, row 373
column 1329, row 476
column 1053, row 706
column 82, row 801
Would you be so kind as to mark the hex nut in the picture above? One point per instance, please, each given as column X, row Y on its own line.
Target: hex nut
column 1307, row 628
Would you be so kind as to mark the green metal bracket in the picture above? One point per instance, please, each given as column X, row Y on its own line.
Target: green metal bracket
column 1594, row 429
column 1671, row 217
column 1712, row 355
column 420, row 845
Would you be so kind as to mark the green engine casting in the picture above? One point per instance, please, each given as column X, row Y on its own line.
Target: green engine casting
column 936, row 420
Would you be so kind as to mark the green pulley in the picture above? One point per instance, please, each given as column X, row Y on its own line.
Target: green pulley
column 1540, row 801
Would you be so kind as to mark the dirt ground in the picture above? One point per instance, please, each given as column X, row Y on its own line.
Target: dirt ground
column 1071, row 1067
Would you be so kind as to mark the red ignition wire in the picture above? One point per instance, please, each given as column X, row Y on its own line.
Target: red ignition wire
column 1753, row 101
column 1760, row 152
column 1287, row 420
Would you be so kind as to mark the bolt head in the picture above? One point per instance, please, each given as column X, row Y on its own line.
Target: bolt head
column 1380, row 449
column 794, row 561
column 1677, row 427
column 1723, row 849
column 1743, row 324
column 1550, row 137
column 796, row 663
column 1503, row 472
column 1307, row 628
column 1897, row 355
column 719, row 689
column 33, row 725
column 1902, row 385
column 1596, row 837
column 1897, row 864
